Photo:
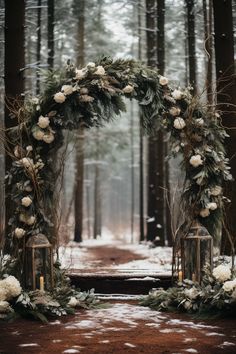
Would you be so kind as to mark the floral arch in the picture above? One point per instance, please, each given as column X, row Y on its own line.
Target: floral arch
column 89, row 97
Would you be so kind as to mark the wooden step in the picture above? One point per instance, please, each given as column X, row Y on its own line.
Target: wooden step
column 125, row 282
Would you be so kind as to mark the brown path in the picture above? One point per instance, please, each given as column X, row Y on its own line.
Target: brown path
column 124, row 328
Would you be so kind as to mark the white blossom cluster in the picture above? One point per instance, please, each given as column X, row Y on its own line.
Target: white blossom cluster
column 9, row 289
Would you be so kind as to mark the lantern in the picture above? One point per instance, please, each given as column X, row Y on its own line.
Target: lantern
column 39, row 263
column 196, row 252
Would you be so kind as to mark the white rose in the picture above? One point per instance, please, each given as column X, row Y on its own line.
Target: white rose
column 37, row 133
column 196, row 160
column 128, row 89
column 222, row 273
column 43, row 122
column 175, row 111
column 100, row 70
column 80, row 74
column 19, row 232
column 30, row 220
column 191, row 293
column 177, row 94
column 83, row 91
column 179, row 123
column 199, row 121
column 229, row 285
column 67, row 89
column 59, row 97
column 29, row 148
column 212, row 206
column 48, row 138
column 163, row 80
column 215, row 191
column 91, row 65
column 12, row 285
column 26, row 201
column 73, row 302
column 4, row 307
column 86, row 98
column 204, row 213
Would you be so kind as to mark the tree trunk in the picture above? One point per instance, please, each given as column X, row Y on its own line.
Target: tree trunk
column 51, row 34
column 226, row 98
column 192, row 61
column 132, row 170
column 79, row 189
column 97, row 229
column 38, row 49
column 14, row 74
column 207, row 15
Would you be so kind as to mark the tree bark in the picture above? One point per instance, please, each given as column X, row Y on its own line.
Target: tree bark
column 226, row 99
column 97, row 228
column 14, row 75
column 192, row 61
column 207, row 15
column 38, row 49
column 51, row 20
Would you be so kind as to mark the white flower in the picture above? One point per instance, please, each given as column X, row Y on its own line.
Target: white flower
column 196, row 160
column 35, row 100
column 67, row 90
column 83, row 91
column 27, row 163
column 26, row 201
column 212, row 206
column 91, row 65
column 175, row 111
column 48, row 138
column 37, row 133
column 199, row 121
column 43, row 122
column 3, row 292
column 12, row 286
column 204, row 213
column 59, row 97
column 80, row 74
column 187, row 305
column 222, row 273
column 4, row 307
column 86, row 98
column 191, row 293
column 179, row 123
column 19, row 232
column 100, row 70
column 215, row 191
column 73, row 302
column 177, row 94
column 128, row 89
column 29, row 220
column 29, row 148
column 163, row 80
column 229, row 285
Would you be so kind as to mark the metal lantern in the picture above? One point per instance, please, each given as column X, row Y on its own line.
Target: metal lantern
column 39, row 263
column 196, row 252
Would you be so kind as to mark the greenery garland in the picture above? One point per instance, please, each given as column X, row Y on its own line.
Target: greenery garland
column 89, row 97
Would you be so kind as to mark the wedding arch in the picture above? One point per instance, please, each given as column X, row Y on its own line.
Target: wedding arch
column 89, row 97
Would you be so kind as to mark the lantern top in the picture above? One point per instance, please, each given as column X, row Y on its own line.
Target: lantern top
column 198, row 230
column 38, row 241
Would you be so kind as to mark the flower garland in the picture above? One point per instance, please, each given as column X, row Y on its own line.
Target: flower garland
column 88, row 97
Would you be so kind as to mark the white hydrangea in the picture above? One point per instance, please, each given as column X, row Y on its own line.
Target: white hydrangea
column 163, row 80
column 19, row 232
column 100, row 70
column 26, row 201
column 215, row 191
column 196, row 160
column 12, row 287
column 3, row 292
column 222, row 273
column 229, row 285
column 43, row 122
column 73, row 302
column 59, row 97
column 204, row 213
column 128, row 89
column 177, row 94
column 212, row 206
column 67, row 90
column 4, row 307
column 175, row 111
column 179, row 123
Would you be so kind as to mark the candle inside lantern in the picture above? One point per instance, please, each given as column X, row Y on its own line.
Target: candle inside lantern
column 193, row 277
column 180, row 276
column 41, row 283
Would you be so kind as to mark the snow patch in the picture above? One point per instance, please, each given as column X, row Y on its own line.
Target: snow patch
column 187, row 340
column 209, row 334
column 56, row 340
column 71, row 351
column 130, row 345
column 191, row 350
column 104, row 341
column 29, row 345
column 173, row 330
column 226, row 344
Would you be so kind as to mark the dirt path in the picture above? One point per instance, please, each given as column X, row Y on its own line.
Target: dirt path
column 122, row 328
